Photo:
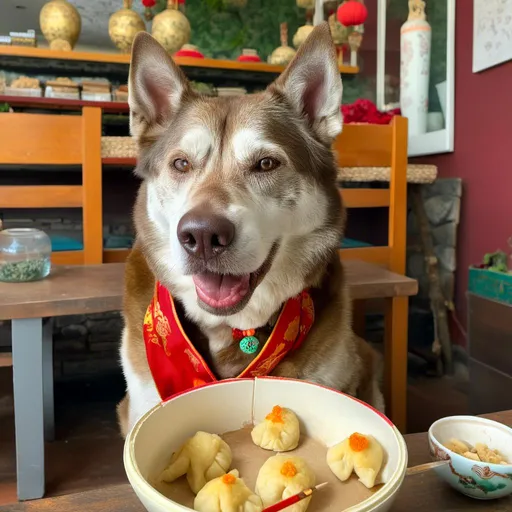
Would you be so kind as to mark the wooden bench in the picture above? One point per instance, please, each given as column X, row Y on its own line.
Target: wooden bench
column 74, row 290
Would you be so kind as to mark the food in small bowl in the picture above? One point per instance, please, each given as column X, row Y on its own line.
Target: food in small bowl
column 479, row 452
column 231, row 409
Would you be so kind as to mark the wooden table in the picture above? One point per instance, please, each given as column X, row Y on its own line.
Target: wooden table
column 67, row 291
column 421, row 493
column 76, row 290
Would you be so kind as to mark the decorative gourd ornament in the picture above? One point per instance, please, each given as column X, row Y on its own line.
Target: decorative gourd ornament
column 339, row 32
column 60, row 24
column 171, row 28
column 339, row 35
column 124, row 25
column 282, row 55
column 303, row 32
column 306, row 4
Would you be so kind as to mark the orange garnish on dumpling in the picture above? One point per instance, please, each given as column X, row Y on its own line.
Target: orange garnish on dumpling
column 358, row 442
column 228, row 479
column 288, row 469
column 276, row 416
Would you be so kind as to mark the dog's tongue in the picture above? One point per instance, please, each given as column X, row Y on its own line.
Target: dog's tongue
column 221, row 291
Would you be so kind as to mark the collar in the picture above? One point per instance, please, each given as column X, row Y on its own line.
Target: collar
column 177, row 366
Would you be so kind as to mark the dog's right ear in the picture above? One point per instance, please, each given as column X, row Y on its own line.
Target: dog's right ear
column 312, row 84
column 156, row 89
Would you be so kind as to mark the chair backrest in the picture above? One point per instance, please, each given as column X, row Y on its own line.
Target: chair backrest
column 368, row 145
column 58, row 140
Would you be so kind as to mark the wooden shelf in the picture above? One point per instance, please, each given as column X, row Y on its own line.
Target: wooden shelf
column 116, row 58
column 120, row 162
column 115, row 255
column 110, row 107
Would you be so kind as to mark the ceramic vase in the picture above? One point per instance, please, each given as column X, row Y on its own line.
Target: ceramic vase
column 124, row 25
column 415, row 46
column 60, row 24
column 171, row 28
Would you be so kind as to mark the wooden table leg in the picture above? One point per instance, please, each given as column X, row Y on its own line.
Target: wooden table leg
column 27, row 357
column 395, row 337
column 48, row 399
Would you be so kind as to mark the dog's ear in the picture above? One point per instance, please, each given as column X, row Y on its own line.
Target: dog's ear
column 156, row 89
column 312, row 84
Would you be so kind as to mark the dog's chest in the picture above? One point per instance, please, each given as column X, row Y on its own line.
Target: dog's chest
column 228, row 360
column 220, row 350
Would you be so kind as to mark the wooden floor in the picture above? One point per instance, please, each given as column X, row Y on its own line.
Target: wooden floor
column 88, row 450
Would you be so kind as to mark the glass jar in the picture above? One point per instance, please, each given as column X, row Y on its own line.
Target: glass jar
column 24, row 255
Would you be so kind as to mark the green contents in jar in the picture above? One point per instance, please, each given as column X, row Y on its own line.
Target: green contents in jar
column 22, row 271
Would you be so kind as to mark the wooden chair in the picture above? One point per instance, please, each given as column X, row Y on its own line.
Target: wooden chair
column 57, row 140
column 383, row 146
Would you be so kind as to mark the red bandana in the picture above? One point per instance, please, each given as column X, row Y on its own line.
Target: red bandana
column 177, row 366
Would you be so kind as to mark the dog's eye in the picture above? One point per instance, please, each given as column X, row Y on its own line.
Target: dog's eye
column 267, row 164
column 182, row 165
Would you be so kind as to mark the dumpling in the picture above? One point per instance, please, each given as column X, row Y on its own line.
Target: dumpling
column 279, row 431
column 359, row 453
column 281, row 477
column 202, row 458
column 227, row 493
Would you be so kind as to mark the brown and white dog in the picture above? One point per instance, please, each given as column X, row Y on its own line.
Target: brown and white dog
column 238, row 212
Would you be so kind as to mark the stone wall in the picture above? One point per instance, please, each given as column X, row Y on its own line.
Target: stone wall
column 86, row 345
column 83, row 345
column 442, row 206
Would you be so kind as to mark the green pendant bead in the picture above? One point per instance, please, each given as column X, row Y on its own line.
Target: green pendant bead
column 249, row 344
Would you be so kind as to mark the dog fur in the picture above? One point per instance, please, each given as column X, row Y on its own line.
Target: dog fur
column 289, row 221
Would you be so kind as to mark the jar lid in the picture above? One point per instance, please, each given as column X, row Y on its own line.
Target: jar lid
column 21, row 232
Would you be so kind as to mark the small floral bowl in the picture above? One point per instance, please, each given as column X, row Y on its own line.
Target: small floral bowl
column 479, row 480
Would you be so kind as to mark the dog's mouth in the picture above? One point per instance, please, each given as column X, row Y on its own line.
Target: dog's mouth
column 226, row 294
column 221, row 290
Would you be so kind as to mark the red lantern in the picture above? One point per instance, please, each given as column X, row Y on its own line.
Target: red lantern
column 149, row 3
column 351, row 13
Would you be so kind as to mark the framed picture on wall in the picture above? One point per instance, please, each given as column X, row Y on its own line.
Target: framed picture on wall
column 492, row 33
column 438, row 104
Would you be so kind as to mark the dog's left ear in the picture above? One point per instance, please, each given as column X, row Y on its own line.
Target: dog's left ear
column 312, row 84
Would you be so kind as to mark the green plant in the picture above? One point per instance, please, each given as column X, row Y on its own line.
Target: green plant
column 4, row 107
column 496, row 261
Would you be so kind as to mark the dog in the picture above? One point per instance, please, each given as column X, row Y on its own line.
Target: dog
column 239, row 218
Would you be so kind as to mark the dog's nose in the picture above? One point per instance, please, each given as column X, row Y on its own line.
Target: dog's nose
column 204, row 234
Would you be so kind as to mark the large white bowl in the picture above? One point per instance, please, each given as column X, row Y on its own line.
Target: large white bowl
column 324, row 414
column 476, row 479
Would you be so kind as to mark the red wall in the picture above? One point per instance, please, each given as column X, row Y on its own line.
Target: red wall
column 482, row 157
